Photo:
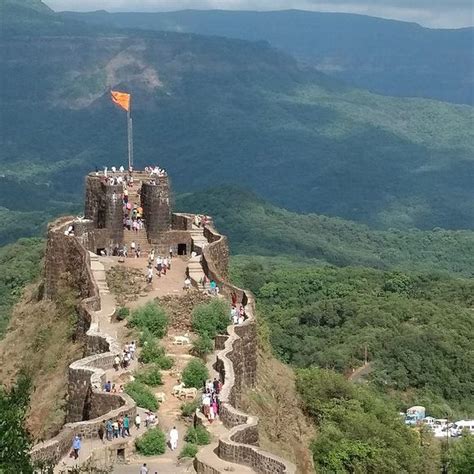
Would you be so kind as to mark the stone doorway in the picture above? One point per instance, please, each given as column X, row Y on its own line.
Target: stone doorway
column 182, row 249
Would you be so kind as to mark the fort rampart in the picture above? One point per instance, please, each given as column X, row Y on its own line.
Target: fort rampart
column 68, row 259
column 236, row 362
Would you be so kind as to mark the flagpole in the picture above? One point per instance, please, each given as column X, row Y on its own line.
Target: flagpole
column 129, row 139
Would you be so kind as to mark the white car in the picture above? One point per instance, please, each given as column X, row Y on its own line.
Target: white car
column 458, row 427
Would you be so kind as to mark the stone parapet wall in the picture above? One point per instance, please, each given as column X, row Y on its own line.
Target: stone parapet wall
column 88, row 406
column 236, row 362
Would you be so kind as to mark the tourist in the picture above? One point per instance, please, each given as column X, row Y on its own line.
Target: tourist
column 213, row 286
column 144, row 469
column 215, row 406
column 138, row 421
column 211, row 413
column 109, row 430
column 138, row 251
column 107, row 386
column 149, row 275
column 171, row 253
column 187, row 283
column 126, row 426
column 132, row 247
column 76, row 446
column 116, row 428
column 120, row 425
column 151, row 257
column 215, row 385
column 234, row 314
column 116, row 363
column 164, row 265
column 121, row 169
column 101, row 432
column 132, row 349
column 174, row 438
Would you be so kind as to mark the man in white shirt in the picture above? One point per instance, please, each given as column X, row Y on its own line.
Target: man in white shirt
column 174, row 438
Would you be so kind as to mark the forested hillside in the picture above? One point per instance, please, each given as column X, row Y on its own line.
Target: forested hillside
column 418, row 332
column 385, row 56
column 214, row 110
column 255, row 227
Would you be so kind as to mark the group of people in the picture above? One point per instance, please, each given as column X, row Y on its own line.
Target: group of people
column 210, row 402
column 155, row 171
column 128, row 354
column 161, row 264
column 120, row 427
column 237, row 314
column 110, row 387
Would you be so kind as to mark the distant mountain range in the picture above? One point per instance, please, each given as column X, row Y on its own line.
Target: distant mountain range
column 385, row 56
column 212, row 111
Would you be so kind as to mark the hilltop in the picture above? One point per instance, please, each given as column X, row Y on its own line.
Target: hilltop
column 214, row 110
column 385, row 56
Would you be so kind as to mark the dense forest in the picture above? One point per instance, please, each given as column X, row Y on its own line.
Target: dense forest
column 417, row 333
column 256, row 227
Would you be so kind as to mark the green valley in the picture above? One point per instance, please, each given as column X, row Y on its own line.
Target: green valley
column 215, row 110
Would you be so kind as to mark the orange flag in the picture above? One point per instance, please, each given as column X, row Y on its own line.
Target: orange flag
column 122, row 99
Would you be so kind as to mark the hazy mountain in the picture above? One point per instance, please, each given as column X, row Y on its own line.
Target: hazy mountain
column 390, row 57
column 213, row 110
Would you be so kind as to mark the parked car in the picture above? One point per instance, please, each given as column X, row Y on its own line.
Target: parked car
column 459, row 426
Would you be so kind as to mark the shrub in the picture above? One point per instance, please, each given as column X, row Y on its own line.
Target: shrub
column 151, row 317
column 122, row 313
column 152, row 353
column 149, row 376
column 211, row 318
column 195, row 373
column 202, row 346
column 189, row 451
column 189, row 408
column 142, row 395
column 198, row 435
column 153, row 442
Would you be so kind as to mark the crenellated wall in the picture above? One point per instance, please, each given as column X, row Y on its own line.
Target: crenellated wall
column 236, row 359
column 236, row 362
column 88, row 407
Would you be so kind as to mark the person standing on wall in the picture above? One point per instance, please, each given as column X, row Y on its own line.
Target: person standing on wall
column 76, row 446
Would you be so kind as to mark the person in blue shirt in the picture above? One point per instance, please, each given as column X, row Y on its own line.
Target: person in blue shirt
column 76, row 446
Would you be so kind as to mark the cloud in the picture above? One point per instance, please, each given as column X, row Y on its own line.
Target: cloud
column 431, row 13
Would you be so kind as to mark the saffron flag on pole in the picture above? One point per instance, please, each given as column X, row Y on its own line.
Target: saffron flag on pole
column 122, row 99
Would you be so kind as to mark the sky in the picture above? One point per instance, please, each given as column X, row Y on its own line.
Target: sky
column 430, row 13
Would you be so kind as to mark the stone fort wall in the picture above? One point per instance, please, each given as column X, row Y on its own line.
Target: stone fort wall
column 65, row 255
column 236, row 359
column 236, row 362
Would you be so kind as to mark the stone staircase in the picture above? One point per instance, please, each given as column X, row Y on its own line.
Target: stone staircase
column 139, row 237
column 99, row 274
column 195, row 270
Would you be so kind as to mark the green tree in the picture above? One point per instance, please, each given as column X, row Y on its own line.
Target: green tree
column 211, row 318
column 150, row 317
column 195, row 374
column 461, row 455
column 14, row 440
column 152, row 443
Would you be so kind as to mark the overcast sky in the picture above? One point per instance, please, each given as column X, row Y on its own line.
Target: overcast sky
column 431, row 13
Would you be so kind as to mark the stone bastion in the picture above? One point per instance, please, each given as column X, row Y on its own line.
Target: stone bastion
column 88, row 407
